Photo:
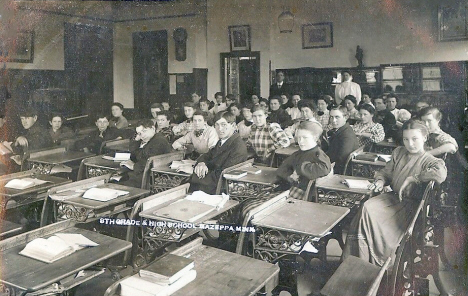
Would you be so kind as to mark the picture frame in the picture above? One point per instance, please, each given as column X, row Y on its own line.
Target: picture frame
column 453, row 22
column 239, row 37
column 19, row 49
column 318, row 35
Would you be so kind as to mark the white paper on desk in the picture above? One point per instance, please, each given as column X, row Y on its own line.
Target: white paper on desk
column 217, row 201
column 177, row 163
column 64, row 195
column 103, row 194
column 122, row 156
column 308, row 247
column 384, row 157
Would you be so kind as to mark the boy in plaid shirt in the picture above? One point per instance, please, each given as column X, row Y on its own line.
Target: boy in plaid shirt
column 265, row 137
column 309, row 163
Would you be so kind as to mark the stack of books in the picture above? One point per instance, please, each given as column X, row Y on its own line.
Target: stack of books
column 165, row 276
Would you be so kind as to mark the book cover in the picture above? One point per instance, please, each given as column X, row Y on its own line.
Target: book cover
column 168, row 269
column 357, row 184
column 367, row 157
column 143, row 286
column 235, row 174
column 252, row 170
column 184, row 210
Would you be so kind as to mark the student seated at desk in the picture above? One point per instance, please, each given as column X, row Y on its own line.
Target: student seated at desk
column 341, row 139
column 163, row 125
column 278, row 114
column 205, row 108
column 118, row 120
column 439, row 142
column 350, row 103
column 245, row 125
column 308, row 110
column 230, row 150
column 385, row 118
column 155, row 108
column 57, row 131
column 367, row 130
column 309, row 163
column 185, row 126
column 377, row 228
column 265, row 137
column 92, row 143
column 147, row 143
column 203, row 137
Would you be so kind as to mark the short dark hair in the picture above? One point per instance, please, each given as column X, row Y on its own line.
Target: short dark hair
column 275, row 97
column 230, row 97
column 219, row 94
column 392, row 95
column 431, row 110
column 342, row 109
column 415, row 124
column 55, row 114
column 233, row 105
column 156, row 105
column 307, row 104
column 101, row 115
column 165, row 113
column 146, row 123
column 263, row 100
column 368, row 107
column 351, row 98
column 189, row 104
column 200, row 113
column 204, row 100
column 325, row 98
column 28, row 112
column 257, row 108
column 247, row 105
column 118, row 105
column 230, row 118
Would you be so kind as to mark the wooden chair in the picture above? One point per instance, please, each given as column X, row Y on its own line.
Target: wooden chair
column 355, row 277
column 135, row 254
column 114, row 145
column 158, row 160
column 351, row 156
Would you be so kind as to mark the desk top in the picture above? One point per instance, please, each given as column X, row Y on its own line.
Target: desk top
column 7, row 227
column 335, row 182
column 166, row 169
column 302, row 217
column 266, row 177
column 377, row 162
column 98, row 161
column 61, row 157
column 288, row 150
column 95, row 205
column 149, row 212
column 224, row 273
column 29, row 274
column 53, row 181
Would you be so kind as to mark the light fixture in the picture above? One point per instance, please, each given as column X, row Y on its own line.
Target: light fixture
column 286, row 21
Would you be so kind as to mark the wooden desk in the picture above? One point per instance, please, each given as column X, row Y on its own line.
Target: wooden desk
column 384, row 147
column 8, row 228
column 366, row 169
column 164, row 178
column 252, row 184
column 221, row 273
column 22, row 274
column 82, row 209
column 113, row 146
column 44, row 161
column 281, row 154
column 29, row 195
column 282, row 231
column 97, row 166
column 330, row 190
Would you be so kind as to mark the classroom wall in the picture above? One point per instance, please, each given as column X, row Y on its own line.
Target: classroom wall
column 389, row 31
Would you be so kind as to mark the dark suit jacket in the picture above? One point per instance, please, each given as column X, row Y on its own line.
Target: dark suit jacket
column 281, row 117
column 232, row 152
column 284, row 90
column 341, row 144
column 156, row 146
column 38, row 137
column 93, row 141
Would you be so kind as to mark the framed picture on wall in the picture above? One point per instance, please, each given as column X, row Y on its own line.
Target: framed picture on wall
column 453, row 22
column 19, row 49
column 239, row 37
column 317, row 35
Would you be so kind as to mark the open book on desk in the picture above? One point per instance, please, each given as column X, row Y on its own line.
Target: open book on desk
column 184, row 210
column 217, row 201
column 24, row 183
column 119, row 156
column 56, row 247
column 103, row 194
column 178, row 163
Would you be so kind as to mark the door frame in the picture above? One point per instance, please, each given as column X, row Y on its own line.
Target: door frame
column 253, row 54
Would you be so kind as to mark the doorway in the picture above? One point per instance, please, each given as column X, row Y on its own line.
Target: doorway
column 241, row 74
